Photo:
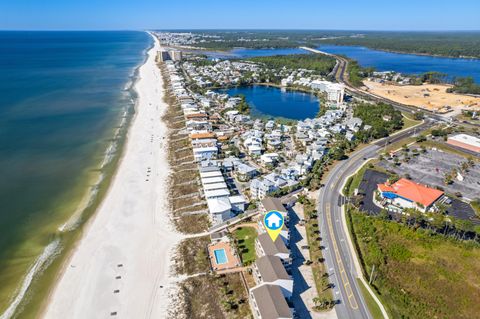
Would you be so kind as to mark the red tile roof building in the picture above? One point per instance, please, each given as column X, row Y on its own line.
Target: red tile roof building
column 408, row 194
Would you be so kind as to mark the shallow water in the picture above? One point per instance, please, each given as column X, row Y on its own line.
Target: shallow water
column 62, row 97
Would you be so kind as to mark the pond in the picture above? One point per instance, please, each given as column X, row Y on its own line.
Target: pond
column 268, row 101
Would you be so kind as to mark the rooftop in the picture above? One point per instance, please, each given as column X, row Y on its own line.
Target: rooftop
column 412, row 191
column 219, row 205
column 272, row 248
column 271, row 203
column 208, row 135
column 271, row 269
column 270, row 302
column 467, row 139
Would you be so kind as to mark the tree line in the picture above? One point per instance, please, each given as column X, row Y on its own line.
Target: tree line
column 321, row 64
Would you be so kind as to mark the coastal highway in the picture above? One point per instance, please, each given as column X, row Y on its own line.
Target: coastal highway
column 339, row 258
column 341, row 75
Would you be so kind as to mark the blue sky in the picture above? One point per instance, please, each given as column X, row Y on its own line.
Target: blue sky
column 244, row 14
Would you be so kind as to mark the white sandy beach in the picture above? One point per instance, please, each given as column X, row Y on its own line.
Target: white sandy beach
column 131, row 235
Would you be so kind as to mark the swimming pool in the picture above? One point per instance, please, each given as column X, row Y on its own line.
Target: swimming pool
column 220, row 256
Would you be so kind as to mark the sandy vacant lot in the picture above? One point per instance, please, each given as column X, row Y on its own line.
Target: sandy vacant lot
column 429, row 96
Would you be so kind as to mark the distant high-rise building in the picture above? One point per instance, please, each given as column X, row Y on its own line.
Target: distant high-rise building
column 163, row 55
column 176, row 55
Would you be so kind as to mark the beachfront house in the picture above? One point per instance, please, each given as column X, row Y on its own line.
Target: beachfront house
column 238, row 203
column 220, row 209
column 253, row 145
column 264, row 246
column 205, row 153
column 267, row 302
column 270, row 270
column 259, row 188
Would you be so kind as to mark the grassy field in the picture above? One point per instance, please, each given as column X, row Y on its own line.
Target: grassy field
column 245, row 239
column 476, row 206
column 418, row 274
column 408, row 121
column 371, row 303
column 215, row 296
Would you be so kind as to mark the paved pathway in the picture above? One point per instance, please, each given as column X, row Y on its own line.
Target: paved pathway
column 304, row 289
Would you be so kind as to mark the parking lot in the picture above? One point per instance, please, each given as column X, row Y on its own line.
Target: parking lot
column 430, row 169
column 367, row 187
column 371, row 179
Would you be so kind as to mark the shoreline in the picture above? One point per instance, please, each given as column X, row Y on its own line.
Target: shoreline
column 41, row 277
column 68, row 298
column 95, row 200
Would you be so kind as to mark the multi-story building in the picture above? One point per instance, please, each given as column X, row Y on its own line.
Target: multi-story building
column 270, row 270
column 264, row 246
column 333, row 91
column 267, row 302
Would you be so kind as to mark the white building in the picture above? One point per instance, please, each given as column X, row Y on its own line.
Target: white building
column 220, row 209
column 334, row 91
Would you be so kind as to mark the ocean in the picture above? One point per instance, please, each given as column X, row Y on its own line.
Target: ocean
column 66, row 99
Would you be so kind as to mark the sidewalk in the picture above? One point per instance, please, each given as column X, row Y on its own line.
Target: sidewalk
column 304, row 289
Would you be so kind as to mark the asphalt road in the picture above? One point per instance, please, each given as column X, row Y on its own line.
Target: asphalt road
column 337, row 253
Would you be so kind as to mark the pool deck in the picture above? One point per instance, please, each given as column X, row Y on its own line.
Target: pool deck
column 233, row 261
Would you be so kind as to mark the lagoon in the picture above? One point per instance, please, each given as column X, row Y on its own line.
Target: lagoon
column 267, row 101
column 407, row 63
column 243, row 53
column 250, row 53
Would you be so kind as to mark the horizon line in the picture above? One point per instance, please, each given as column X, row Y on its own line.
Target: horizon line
column 238, row 29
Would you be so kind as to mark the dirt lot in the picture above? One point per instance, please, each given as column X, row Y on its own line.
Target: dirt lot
column 429, row 96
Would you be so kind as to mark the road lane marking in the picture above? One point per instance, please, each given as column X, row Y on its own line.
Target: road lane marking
column 343, row 275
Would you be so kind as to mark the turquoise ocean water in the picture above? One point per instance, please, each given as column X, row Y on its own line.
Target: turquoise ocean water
column 64, row 100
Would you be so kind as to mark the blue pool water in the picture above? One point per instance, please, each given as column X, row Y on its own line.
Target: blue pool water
column 408, row 63
column 274, row 102
column 220, row 256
